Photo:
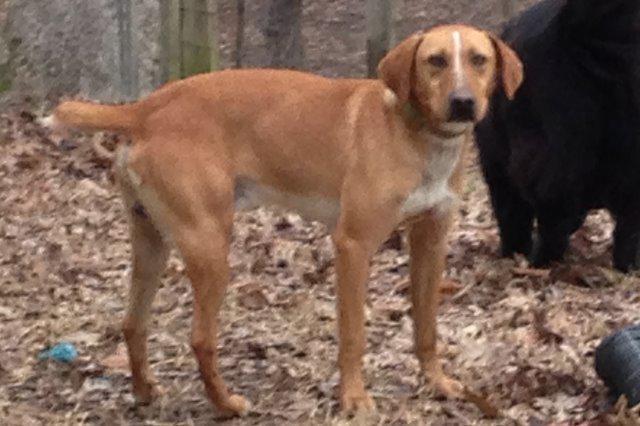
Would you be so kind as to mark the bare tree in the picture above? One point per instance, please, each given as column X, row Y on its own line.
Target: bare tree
column 284, row 34
column 240, row 24
column 507, row 9
column 189, row 38
column 379, row 15
column 170, row 40
column 199, row 19
column 128, row 66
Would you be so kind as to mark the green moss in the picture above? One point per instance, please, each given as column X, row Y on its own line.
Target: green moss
column 195, row 60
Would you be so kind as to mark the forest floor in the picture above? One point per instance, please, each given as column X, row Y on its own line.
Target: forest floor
column 523, row 337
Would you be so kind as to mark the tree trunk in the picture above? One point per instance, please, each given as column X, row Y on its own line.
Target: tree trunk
column 128, row 65
column 240, row 23
column 189, row 38
column 199, row 36
column 507, row 9
column 170, row 40
column 378, row 33
column 284, row 34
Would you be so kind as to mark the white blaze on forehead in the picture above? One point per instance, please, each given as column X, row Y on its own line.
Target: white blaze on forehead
column 458, row 72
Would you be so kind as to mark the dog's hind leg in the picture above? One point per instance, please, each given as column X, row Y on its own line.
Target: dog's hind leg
column 205, row 248
column 149, row 258
column 189, row 191
column 624, row 199
column 513, row 213
column 626, row 244
column 555, row 226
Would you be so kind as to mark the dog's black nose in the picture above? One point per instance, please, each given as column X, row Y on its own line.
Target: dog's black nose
column 462, row 106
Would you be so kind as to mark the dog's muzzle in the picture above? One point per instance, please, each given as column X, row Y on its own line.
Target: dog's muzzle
column 462, row 106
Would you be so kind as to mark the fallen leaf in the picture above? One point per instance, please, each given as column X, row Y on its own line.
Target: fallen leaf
column 251, row 296
column 543, row 330
column 449, row 286
column 84, row 337
column 119, row 360
column 487, row 408
column 7, row 313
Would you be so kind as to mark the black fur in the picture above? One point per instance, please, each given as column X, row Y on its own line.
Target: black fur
column 570, row 140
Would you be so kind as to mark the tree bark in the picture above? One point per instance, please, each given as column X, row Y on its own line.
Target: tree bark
column 240, row 24
column 378, row 33
column 283, row 33
column 507, row 9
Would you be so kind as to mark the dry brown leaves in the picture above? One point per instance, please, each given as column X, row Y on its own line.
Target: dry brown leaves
column 522, row 339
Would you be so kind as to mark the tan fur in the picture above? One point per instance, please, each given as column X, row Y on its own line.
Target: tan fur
column 85, row 116
column 510, row 67
column 347, row 151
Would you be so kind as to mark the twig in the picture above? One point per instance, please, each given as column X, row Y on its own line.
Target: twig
column 531, row 272
column 101, row 152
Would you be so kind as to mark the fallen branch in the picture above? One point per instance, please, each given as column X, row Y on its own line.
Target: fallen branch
column 531, row 272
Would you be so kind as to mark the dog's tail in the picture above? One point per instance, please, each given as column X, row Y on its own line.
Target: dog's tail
column 90, row 116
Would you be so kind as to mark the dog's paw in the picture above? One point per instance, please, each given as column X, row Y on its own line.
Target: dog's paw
column 147, row 392
column 235, row 406
column 356, row 401
column 442, row 384
column 448, row 387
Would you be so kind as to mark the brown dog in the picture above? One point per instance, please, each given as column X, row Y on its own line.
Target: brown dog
column 359, row 155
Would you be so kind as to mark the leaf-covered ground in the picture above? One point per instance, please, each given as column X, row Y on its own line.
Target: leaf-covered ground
column 525, row 338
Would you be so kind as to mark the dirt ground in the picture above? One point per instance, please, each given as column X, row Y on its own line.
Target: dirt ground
column 524, row 338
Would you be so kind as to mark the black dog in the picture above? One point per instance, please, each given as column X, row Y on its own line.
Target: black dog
column 570, row 140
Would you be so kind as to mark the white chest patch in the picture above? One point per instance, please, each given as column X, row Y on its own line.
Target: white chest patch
column 433, row 191
column 250, row 195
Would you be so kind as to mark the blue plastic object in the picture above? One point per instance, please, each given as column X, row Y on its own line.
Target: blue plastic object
column 62, row 352
column 618, row 363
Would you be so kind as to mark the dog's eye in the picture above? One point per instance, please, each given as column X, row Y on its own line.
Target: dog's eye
column 438, row 61
column 478, row 60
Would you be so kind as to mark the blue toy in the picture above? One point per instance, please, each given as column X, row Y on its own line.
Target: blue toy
column 62, row 352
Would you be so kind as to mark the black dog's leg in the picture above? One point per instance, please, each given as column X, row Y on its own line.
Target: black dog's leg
column 513, row 213
column 626, row 242
column 554, row 229
column 623, row 134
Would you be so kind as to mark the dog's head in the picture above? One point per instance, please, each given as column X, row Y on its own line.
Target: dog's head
column 449, row 72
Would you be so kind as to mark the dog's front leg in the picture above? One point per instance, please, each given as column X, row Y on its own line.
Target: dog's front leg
column 428, row 244
column 367, row 220
column 352, row 267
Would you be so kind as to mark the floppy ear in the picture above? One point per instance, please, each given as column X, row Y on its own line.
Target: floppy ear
column 509, row 67
column 396, row 67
